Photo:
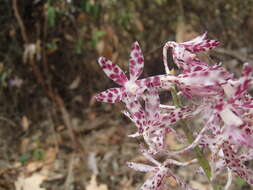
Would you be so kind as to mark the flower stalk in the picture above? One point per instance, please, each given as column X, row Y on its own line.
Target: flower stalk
column 203, row 162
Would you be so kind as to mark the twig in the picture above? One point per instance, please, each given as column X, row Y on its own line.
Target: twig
column 231, row 53
column 8, row 121
column 50, row 92
column 49, row 115
column 20, row 21
column 54, row 96
column 90, row 126
column 70, row 176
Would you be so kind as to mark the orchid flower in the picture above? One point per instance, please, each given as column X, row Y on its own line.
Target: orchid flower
column 228, row 157
column 222, row 103
column 160, row 172
column 204, row 83
column 237, row 88
column 183, row 53
column 132, row 86
column 235, row 164
column 151, row 123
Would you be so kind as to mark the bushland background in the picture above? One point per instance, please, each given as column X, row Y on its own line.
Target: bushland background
column 53, row 134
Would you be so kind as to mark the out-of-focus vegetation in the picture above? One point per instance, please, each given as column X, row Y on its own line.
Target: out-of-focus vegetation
column 49, row 51
column 70, row 35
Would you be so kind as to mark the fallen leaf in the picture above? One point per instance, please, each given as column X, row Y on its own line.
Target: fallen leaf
column 30, row 183
column 50, row 158
column 100, row 47
column 75, row 83
column 24, row 145
column 94, row 186
column 25, row 123
column 33, row 166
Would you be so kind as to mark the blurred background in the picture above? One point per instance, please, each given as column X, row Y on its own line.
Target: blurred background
column 53, row 134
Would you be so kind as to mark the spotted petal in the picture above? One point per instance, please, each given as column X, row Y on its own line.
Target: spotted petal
column 205, row 82
column 152, row 102
column 140, row 167
column 112, row 71
column 155, row 140
column 194, row 41
column 199, row 44
column 111, row 95
column 175, row 115
column 137, row 113
column 136, row 62
column 156, row 182
column 236, row 165
column 153, row 82
column 244, row 81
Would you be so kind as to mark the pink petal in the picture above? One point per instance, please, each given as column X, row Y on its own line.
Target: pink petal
column 245, row 81
column 156, row 182
column 112, row 71
column 112, row 95
column 140, row 167
column 182, row 184
column 197, row 40
column 236, row 165
column 152, row 82
column 137, row 113
column 152, row 102
column 183, row 52
column 207, row 82
column 247, row 156
column 136, row 62
column 229, row 117
column 155, row 140
column 199, row 44
column 240, row 135
column 175, row 115
column 247, row 70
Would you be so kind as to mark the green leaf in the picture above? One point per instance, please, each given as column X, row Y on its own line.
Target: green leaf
column 38, row 154
column 52, row 46
column 51, row 16
column 25, row 157
column 96, row 10
column 79, row 45
column 240, row 182
column 96, row 35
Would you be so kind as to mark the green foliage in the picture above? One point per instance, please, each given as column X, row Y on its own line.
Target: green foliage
column 91, row 8
column 4, row 76
column 96, row 36
column 160, row 2
column 38, row 154
column 79, row 45
column 240, row 182
column 52, row 46
column 25, row 157
column 125, row 18
column 51, row 14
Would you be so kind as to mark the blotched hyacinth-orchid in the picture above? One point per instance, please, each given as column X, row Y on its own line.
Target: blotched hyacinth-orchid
column 183, row 53
column 205, row 82
column 151, row 123
column 130, row 87
column 160, row 172
column 221, row 103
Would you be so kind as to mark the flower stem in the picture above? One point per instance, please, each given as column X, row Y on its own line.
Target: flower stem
column 203, row 162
